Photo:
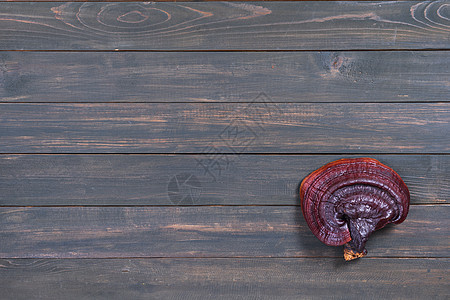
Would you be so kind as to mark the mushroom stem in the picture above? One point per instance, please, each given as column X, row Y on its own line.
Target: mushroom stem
column 360, row 230
column 351, row 254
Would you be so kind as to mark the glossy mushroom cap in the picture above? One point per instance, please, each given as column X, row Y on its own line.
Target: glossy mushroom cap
column 346, row 200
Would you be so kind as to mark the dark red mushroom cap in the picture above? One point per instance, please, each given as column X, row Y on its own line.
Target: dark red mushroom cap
column 346, row 200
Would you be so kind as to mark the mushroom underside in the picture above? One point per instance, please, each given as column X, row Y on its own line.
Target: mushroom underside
column 363, row 209
column 345, row 201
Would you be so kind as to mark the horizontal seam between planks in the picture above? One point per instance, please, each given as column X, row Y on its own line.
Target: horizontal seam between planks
column 231, row 154
column 226, row 257
column 226, row 102
column 231, row 50
column 9, row 1
column 176, row 206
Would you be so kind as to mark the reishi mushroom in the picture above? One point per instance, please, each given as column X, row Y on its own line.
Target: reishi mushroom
column 346, row 200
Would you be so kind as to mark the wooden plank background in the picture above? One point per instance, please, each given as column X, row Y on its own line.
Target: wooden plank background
column 212, row 179
column 155, row 149
column 361, row 76
column 237, row 278
column 242, row 231
column 230, row 128
column 305, row 25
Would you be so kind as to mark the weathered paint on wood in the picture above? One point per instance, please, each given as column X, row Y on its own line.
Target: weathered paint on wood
column 192, row 179
column 202, row 231
column 224, row 76
column 407, row 261
column 316, row 25
column 225, row 128
column 255, row 278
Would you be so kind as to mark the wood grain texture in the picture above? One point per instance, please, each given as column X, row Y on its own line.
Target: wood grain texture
column 230, row 76
column 314, row 25
column 164, row 213
column 224, row 128
column 192, row 179
column 267, row 231
column 256, row 278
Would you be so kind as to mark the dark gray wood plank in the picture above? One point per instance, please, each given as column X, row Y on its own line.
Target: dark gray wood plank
column 202, row 179
column 225, row 128
column 315, row 25
column 226, row 76
column 202, row 231
column 293, row 278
